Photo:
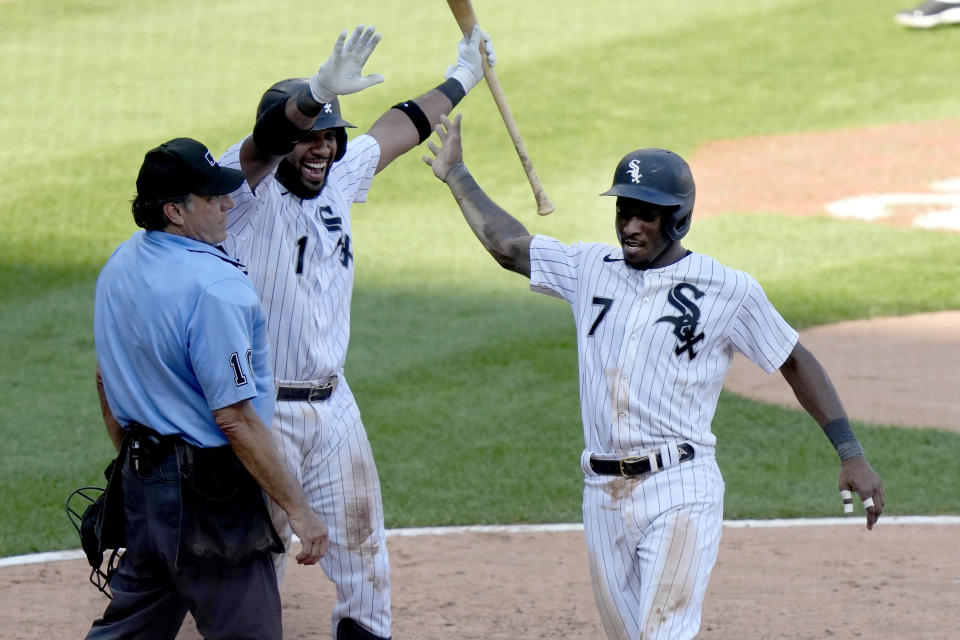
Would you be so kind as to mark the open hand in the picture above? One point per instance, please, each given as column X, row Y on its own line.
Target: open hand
column 342, row 73
column 451, row 151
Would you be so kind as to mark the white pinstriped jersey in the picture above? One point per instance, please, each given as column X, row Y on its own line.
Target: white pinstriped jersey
column 299, row 254
column 654, row 345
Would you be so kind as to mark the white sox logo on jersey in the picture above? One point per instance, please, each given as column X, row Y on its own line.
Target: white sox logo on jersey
column 634, row 171
column 334, row 224
column 684, row 325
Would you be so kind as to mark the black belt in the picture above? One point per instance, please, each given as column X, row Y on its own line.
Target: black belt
column 310, row 394
column 635, row 465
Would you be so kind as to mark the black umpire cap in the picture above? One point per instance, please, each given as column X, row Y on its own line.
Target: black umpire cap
column 182, row 166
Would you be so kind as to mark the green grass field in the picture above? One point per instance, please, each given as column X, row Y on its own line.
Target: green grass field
column 466, row 381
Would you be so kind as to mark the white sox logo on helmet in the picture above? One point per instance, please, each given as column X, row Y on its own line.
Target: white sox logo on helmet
column 634, row 171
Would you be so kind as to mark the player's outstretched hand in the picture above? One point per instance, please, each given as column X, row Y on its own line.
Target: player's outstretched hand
column 342, row 73
column 450, row 152
column 468, row 69
column 857, row 475
column 312, row 533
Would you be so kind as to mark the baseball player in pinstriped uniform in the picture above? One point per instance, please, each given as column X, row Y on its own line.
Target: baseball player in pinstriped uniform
column 657, row 326
column 291, row 228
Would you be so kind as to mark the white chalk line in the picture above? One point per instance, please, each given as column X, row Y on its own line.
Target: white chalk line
column 77, row 554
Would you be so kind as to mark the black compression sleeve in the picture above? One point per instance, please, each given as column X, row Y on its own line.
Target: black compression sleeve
column 274, row 134
column 307, row 105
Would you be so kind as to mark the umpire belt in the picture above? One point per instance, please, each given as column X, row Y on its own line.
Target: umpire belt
column 318, row 393
column 146, row 449
column 633, row 466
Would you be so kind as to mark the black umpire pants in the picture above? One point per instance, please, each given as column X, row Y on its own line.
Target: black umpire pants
column 151, row 595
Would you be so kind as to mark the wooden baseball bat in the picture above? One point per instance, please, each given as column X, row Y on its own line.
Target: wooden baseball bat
column 466, row 18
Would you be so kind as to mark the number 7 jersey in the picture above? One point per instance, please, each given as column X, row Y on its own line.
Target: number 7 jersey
column 654, row 345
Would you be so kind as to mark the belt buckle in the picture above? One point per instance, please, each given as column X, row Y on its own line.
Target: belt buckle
column 315, row 392
column 628, row 460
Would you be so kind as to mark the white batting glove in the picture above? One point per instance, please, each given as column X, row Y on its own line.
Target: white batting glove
column 468, row 69
column 342, row 72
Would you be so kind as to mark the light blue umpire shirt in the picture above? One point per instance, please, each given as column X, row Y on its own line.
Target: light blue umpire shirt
column 180, row 332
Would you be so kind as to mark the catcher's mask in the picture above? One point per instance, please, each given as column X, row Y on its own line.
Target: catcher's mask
column 329, row 117
column 659, row 177
column 83, row 509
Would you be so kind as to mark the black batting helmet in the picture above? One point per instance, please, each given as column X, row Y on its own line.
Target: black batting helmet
column 659, row 177
column 329, row 117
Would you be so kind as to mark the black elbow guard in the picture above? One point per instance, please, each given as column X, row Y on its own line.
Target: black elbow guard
column 274, row 134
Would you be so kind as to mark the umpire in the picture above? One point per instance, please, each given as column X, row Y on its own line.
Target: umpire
column 185, row 385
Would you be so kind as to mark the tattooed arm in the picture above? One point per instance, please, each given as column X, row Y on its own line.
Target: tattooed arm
column 500, row 233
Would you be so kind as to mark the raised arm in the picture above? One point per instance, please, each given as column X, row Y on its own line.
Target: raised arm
column 501, row 234
column 817, row 395
column 279, row 128
column 409, row 123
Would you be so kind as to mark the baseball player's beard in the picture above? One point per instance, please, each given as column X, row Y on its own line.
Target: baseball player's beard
column 289, row 176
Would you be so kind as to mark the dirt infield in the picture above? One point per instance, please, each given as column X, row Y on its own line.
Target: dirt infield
column 900, row 371
column 801, row 582
column 892, row 170
column 886, row 370
column 804, row 582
